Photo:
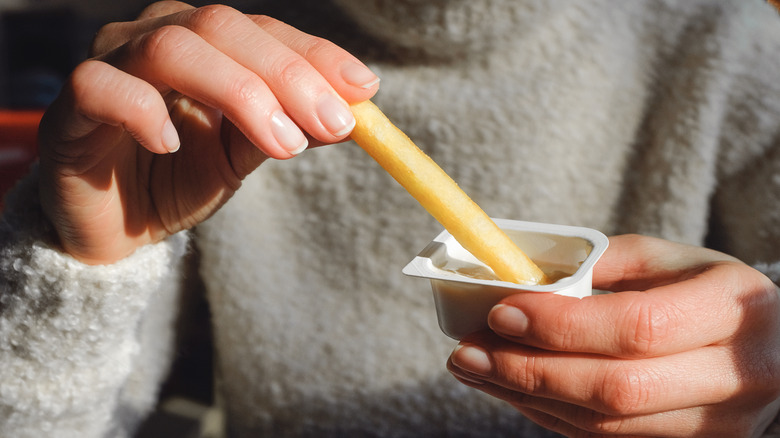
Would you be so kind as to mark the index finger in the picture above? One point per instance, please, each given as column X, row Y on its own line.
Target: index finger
column 635, row 262
column 703, row 305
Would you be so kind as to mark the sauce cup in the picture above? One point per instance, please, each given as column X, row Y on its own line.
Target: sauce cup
column 465, row 289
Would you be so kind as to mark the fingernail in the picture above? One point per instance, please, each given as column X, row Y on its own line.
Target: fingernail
column 508, row 320
column 335, row 115
column 170, row 137
column 472, row 359
column 287, row 133
column 358, row 75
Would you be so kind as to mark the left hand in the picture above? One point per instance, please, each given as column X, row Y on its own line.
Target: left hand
column 231, row 89
column 690, row 346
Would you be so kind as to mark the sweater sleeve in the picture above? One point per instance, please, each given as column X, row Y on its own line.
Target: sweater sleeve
column 76, row 355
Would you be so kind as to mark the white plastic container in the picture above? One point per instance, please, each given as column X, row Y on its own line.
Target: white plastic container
column 463, row 302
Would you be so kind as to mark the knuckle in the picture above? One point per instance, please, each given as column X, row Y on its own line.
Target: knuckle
column 160, row 45
column 265, row 20
column 85, row 70
column 244, row 91
column 762, row 294
column 92, row 78
column 649, row 325
column 142, row 102
column 316, row 45
column 289, row 70
column 562, row 333
column 528, row 377
column 83, row 78
column 213, row 18
column 626, row 390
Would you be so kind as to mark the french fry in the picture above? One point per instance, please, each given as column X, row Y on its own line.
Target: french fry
column 441, row 196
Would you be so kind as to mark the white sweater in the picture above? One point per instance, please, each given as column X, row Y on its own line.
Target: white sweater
column 658, row 117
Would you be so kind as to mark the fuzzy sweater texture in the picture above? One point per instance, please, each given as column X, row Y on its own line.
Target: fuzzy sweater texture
column 657, row 117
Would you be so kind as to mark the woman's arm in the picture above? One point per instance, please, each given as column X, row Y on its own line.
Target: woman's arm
column 73, row 350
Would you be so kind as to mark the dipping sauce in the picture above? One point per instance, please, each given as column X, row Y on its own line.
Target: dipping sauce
column 553, row 271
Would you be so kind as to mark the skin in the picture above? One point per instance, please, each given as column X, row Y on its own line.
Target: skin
column 687, row 347
column 155, row 131
column 209, row 84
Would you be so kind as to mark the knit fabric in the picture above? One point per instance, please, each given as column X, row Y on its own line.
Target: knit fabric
column 83, row 348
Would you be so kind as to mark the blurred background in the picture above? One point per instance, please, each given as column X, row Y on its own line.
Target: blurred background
column 39, row 45
column 41, row 41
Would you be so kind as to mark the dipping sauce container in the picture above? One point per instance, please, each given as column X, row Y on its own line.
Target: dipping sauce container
column 464, row 289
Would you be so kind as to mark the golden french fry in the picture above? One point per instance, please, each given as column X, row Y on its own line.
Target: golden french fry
column 441, row 196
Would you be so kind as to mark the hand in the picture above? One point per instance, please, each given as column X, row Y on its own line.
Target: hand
column 690, row 346
column 230, row 89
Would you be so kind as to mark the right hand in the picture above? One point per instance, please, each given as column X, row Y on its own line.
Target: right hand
column 231, row 89
column 688, row 345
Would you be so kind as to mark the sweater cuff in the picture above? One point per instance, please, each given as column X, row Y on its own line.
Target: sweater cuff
column 69, row 331
column 29, row 256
